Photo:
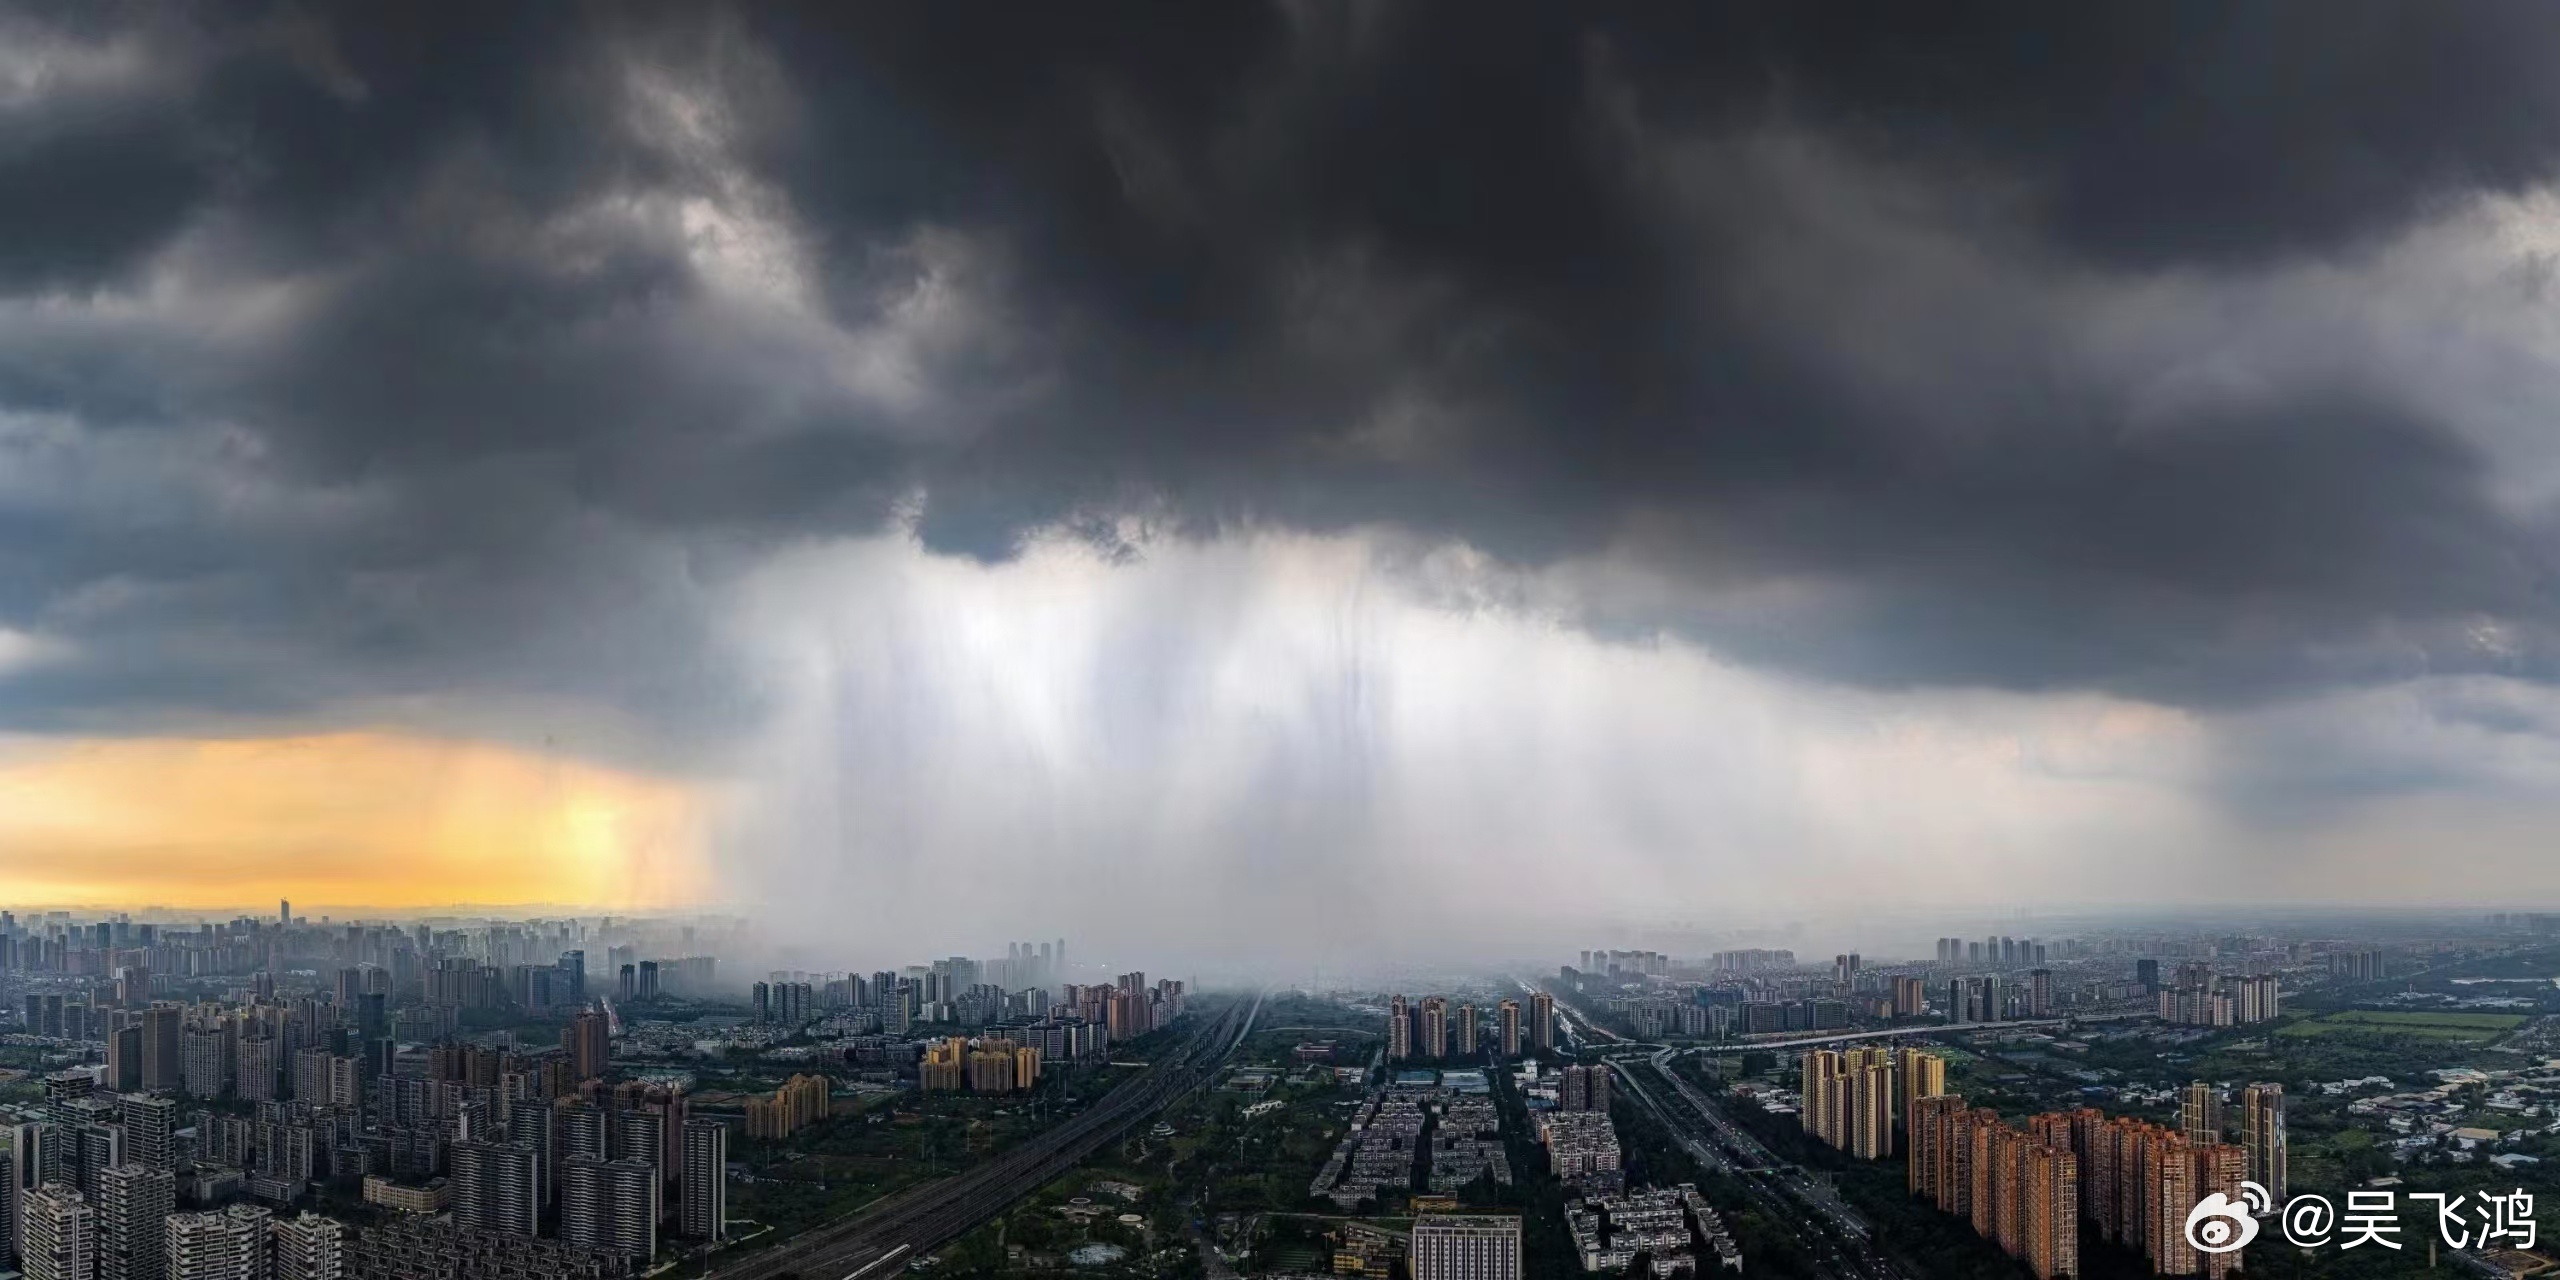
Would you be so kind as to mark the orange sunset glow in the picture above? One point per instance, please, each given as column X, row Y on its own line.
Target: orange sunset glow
column 358, row 819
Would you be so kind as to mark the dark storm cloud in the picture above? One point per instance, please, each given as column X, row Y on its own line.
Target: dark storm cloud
column 1564, row 283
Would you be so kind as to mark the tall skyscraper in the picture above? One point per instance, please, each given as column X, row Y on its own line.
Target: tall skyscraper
column 133, row 1200
column 1542, row 1022
column 2262, row 1136
column 610, row 1204
column 1466, row 1247
column 57, row 1234
column 2200, row 1114
column 284, row 913
column 1399, row 1030
column 229, row 1245
column 1509, row 1014
column 704, row 1188
column 1434, row 1038
column 1467, row 1039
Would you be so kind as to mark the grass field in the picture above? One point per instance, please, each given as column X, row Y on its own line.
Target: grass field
column 2430, row 1026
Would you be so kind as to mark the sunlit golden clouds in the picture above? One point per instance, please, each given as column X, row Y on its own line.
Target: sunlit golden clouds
column 357, row 819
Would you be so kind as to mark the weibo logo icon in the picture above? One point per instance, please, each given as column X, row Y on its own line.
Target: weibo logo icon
column 2218, row 1224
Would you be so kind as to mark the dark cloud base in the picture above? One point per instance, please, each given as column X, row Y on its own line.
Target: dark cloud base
column 1503, row 277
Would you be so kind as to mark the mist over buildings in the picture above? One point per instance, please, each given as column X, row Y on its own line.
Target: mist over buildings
column 1286, row 483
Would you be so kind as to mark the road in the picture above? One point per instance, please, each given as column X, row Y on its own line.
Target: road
column 1827, row 1230
column 1935, row 1029
column 871, row 1242
column 1922, row 1031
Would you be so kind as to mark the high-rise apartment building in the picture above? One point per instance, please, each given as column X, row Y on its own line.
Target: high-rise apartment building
column 2262, row 1136
column 162, row 1067
column 1867, row 1125
column 584, row 1131
column 2169, row 1182
column 1508, row 1014
column 229, row 1245
column 704, row 1188
column 1468, row 1040
column 1466, row 1247
column 1920, row 1075
column 92, row 1149
column 1542, row 1022
column 2019, row 1190
column 2049, row 1203
column 587, row 1040
column 309, row 1247
column 1925, row 1172
column 2200, row 1113
column 204, row 1067
column 132, row 1202
column 1823, row 1086
column 2093, row 1149
column 495, row 1187
column 1849, row 1100
column 1584, row 1088
column 2219, row 1169
column 124, row 1058
column 610, row 1205
column 645, row 1135
column 1399, row 1030
column 57, row 1234
column 1434, row 1037
column 150, row 1129
column 533, row 1123
column 260, row 1067
column 35, row 1152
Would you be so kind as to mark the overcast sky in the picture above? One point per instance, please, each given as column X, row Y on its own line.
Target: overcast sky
column 1284, row 479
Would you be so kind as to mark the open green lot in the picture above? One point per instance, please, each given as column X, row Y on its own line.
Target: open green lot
column 2432, row 1026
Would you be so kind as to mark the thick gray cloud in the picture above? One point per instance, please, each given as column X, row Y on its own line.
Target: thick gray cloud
column 354, row 357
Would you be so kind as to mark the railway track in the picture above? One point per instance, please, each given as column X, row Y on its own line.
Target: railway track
column 871, row 1242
